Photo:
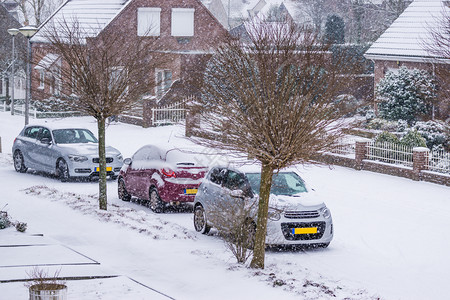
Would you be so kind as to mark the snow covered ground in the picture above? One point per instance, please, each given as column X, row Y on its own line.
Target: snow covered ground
column 391, row 236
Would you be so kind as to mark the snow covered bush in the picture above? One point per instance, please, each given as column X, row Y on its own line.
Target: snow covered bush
column 402, row 125
column 405, row 94
column 436, row 134
column 4, row 220
column 382, row 124
column 387, row 137
column 413, row 139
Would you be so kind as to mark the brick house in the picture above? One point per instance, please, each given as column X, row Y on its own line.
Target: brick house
column 186, row 31
column 405, row 43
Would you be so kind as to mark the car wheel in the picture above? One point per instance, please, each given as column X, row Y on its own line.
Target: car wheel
column 122, row 191
column 19, row 164
column 63, row 170
column 200, row 223
column 155, row 203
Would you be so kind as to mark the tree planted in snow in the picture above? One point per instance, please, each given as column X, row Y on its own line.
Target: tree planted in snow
column 271, row 99
column 405, row 94
column 100, row 76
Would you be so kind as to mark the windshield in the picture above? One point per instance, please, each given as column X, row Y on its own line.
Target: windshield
column 283, row 183
column 73, row 136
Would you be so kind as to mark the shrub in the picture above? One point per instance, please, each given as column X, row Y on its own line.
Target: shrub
column 406, row 94
column 413, row 139
column 402, row 125
column 436, row 134
column 4, row 220
column 382, row 124
column 387, row 137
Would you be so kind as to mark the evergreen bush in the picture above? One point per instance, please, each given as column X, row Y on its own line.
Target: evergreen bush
column 405, row 94
column 387, row 137
column 413, row 139
column 436, row 134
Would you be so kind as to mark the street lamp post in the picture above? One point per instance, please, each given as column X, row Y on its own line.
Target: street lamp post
column 28, row 32
column 13, row 32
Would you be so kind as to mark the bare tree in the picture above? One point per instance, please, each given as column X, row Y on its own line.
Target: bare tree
column 101, row 76
column 36, row 11
column 272, row 99
column 438, row 47
column 233, row 220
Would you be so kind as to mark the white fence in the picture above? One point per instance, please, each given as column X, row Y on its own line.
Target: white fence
column 390, row 153
column 169, row 114
column 347, row 149
column 19, row 110
column 439, row 161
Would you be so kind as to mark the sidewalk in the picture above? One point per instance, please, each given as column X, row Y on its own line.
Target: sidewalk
column 85, row 277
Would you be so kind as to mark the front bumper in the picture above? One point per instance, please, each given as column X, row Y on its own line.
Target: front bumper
column 90, row 169
column 282, row 232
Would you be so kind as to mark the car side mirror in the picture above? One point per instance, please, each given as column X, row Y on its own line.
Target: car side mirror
column 237, row 194
column 47, row 141
column 127, row 161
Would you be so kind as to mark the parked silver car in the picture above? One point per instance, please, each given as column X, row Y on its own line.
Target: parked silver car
column 65, row 152
column 295, row 217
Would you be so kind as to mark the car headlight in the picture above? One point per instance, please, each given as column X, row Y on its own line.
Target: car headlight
column 77, row 158
column 119, row 157
column 274, row 214
column 325, row 212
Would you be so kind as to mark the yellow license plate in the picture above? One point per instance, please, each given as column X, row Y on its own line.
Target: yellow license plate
column 310, row 230
column 108, row 169
column 190, row 191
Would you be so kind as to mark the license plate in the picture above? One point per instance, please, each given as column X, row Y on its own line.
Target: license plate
column 190, row 191
column 108, row 169
column 310, row 230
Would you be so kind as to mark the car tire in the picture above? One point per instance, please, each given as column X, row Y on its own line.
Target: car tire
column 122, row 191
column 19, row 163
column 200, row 223
column 62, row 170
column 155, row 202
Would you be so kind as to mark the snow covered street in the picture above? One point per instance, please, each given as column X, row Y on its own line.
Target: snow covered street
column 391, row 236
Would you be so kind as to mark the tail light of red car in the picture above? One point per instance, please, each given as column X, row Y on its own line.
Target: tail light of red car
column 168, row 172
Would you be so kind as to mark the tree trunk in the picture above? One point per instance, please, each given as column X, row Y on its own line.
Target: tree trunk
column 102, row 197
column 263, row 211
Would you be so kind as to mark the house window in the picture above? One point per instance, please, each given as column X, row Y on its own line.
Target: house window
column 1, row 86
column 163, row 81
column 183, row 21
column 149, row 21
column 41, row 78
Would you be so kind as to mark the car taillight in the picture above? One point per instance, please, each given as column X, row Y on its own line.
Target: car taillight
column 168, row 172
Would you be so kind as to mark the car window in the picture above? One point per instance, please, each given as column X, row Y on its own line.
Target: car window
column 235, row 181
column 73, row 136
column 32, row 132
column 283, row 183
column 147, row 153
column 217, row 175
column 44, row 134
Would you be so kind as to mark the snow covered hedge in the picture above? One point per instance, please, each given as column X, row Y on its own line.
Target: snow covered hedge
column 405, row 94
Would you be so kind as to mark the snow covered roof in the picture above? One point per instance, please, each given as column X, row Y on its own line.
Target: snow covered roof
column 406, row 38
column 47, row 61
column 92, row 16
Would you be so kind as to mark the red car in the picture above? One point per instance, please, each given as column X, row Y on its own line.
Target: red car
column 161, row 176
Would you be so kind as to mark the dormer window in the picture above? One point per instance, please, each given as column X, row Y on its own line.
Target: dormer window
column 183, row 22
column 148, row 21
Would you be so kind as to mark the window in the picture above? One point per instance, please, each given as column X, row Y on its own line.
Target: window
column 41, row 78
column 45, row 134
column 31, row 132
column 217, row 176
column 148, row 23
column 163, row 81
column 183, row 21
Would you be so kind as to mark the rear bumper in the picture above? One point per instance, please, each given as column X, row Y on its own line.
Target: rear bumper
column 171, row 192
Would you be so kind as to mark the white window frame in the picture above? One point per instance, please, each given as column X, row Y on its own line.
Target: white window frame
column 182, row 22
column 41, row 79
column 162, row 86
column 149, row 21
